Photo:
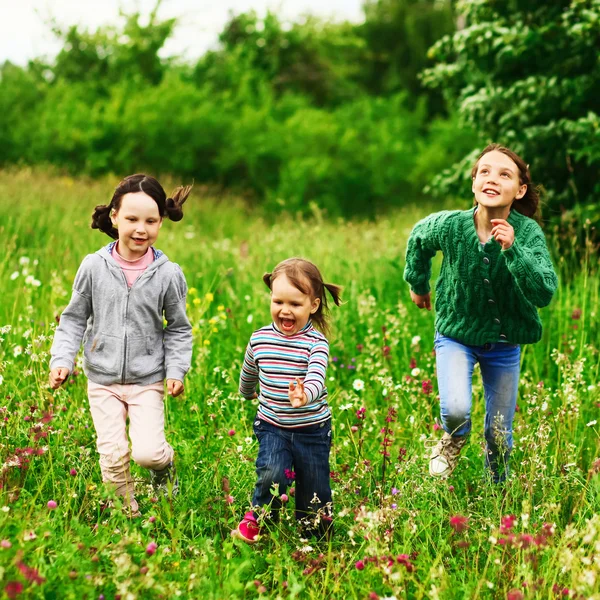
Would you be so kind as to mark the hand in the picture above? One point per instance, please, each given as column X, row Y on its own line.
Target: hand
column 174, row 387
column 422, row 301
column 296, row 393
column 58, row 377
column 503, row 233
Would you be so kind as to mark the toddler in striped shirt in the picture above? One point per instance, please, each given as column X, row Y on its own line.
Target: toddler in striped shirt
column 288, row 361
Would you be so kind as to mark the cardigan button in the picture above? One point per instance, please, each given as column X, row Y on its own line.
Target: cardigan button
column 491, row 302
column 497, row 321
column 502, row 336
column 486, row 281
column 486, row 260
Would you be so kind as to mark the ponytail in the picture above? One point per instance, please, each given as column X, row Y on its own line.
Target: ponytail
column 101, row 220
column 335, row 291
column 173, row 205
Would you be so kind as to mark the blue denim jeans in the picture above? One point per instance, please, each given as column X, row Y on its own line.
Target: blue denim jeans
column 304, row 450
column 500, row 365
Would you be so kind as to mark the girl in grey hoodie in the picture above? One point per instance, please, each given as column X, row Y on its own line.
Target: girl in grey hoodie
column 122, row 296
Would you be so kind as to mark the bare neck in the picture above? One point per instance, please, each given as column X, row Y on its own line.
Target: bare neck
column 483, row 220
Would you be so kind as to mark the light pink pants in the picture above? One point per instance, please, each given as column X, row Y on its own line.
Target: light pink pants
column 144, row 404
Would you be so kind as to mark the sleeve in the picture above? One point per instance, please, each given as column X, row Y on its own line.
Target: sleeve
column 73, row 320
column 178, row 332
column 423, row 243
column 528, row 261
column 314, row 382
column 249, row 374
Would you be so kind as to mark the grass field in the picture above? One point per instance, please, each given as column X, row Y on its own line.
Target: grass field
column 398, row 534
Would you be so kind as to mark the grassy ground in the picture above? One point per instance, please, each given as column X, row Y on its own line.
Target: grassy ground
column 398, row 533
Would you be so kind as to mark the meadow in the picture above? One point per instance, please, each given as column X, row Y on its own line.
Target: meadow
column 398, row 533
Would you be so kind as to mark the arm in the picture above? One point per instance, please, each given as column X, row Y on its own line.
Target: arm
column 178, row 332
column 72, row 326
column 423, row 243
column 529, row 263
column 314, row 382
column 249, row 375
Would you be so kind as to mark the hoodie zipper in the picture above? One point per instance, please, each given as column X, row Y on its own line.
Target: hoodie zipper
column 125, row 323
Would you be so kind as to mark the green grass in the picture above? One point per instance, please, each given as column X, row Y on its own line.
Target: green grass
column 224, row 248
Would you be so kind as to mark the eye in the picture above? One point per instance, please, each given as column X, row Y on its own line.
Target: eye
column 483, row 171
column 505, row 174
column 296, row 304
column 277, row 302
column 131, row 219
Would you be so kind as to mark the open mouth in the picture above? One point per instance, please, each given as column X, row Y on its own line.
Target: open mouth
column 491, row 192
column 287, row 325
column 139, row 240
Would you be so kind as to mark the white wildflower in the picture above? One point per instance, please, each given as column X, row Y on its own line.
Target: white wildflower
column 249, row 318
column 416, row 339
column 415, row 372
column 358, row 385
column 14, row 275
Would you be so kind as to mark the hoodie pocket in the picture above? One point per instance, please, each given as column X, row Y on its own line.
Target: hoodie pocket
column 104, row 353
column 146, row 356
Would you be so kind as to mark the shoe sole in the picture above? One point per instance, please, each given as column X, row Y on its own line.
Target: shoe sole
column 442, row 475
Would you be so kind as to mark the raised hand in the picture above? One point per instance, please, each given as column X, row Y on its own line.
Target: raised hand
column 58, row 377
column 296, row 394
column 423, row 301
column 174, row 387
column 503, row 233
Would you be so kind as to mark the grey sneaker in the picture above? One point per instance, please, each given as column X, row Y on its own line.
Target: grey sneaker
column 165, row 481
column 444, row 456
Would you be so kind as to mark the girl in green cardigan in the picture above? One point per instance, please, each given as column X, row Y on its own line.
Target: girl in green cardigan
column 496, row 272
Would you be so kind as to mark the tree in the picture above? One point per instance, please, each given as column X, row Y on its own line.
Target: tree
column 398, row 34
column 110, row 55
column 318, row 60
column 525, row 73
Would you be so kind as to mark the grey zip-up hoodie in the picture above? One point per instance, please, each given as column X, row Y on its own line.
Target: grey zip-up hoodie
column 124, row 338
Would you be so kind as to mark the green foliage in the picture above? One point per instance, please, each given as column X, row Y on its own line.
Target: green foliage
column 398, row 34
column 319, row 60
column 110, row 55
column 526, row 74
column 283, row 113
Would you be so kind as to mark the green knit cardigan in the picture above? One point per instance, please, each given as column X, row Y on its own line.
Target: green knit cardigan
column 483, row 295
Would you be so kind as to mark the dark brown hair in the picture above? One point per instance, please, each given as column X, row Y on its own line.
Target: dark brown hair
column 305, row 276
column 170, row 207
column 529, row 204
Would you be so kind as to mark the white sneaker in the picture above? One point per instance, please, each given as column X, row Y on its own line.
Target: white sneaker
column 444, row 456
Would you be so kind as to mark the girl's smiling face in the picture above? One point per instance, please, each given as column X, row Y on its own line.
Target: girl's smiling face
column 290, row 307
column 138, row 222
column 497, row 182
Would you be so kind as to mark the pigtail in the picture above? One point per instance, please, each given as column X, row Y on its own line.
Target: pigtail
column 173, row 205
column 335, row 291
column 101, row 220
column 267, row 279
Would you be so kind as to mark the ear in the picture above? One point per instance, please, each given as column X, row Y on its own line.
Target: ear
column 522, row 191
column 160, row 222
column 315, row 305
column 473, row 184
column 113, row 217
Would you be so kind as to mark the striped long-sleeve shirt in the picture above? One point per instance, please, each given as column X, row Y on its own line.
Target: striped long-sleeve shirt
column 273, row 360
